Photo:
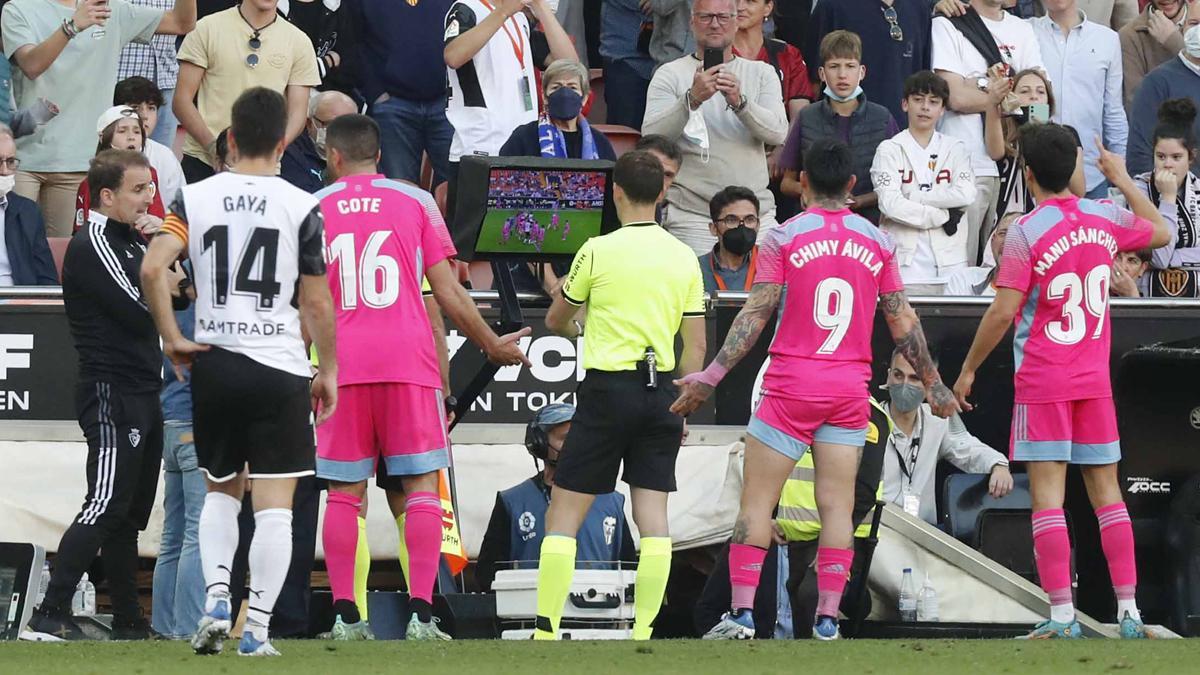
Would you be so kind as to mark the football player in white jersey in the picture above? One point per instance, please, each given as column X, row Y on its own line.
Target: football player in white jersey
column 256, row 246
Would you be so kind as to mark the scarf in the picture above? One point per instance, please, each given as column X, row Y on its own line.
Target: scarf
column 553, row 144
column 1182, row 281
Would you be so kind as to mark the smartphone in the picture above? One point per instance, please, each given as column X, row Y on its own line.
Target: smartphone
column 713, row 57
column 1038, row 112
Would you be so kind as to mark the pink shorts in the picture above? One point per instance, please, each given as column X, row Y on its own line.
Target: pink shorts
column 1079, row 432
column 791, row 426
column 404, row 424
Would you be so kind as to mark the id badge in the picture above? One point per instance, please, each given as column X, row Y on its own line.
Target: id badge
column 526, row 95
column 912, row 504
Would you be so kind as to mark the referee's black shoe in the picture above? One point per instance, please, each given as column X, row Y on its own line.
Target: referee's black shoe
column 52, row 625
column 136, row 629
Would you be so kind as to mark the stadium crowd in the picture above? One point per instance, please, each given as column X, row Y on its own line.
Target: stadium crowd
column 729, row 95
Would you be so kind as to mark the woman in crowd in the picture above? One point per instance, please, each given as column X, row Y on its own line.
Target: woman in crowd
column 561, row 131
column 750, row 43
column 1030, row 90
column 1176, row 266
column 120, row 128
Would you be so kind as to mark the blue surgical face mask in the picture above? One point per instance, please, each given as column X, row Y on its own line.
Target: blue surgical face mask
column 564, row 104
column 833, row 96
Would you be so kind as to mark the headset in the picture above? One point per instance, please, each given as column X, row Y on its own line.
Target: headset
column 537, row 441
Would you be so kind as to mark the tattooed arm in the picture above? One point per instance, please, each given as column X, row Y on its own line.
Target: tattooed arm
column 992, row 327
column 905, row 326
column 747, row 326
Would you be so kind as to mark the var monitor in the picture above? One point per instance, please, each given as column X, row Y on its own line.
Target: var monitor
column 531, row 208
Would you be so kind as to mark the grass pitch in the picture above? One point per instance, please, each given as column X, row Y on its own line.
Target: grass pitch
column 690, row 657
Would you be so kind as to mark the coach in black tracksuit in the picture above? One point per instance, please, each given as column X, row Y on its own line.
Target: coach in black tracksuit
column 120, row 365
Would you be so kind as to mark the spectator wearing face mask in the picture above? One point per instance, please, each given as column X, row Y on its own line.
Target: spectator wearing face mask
column 729, row 266
column 919, row 439
column 25, row 258
column 303, row 161
column 561, row 131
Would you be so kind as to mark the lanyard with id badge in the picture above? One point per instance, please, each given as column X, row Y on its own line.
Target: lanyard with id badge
column 518, row 47
column 911, row 500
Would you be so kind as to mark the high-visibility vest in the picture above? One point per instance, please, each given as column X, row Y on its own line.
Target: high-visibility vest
column 797, row 515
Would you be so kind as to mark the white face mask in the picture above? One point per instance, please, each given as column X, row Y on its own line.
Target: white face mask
column 696, row 131
column 7, row 183
column 1191, row 42
column 320, row 139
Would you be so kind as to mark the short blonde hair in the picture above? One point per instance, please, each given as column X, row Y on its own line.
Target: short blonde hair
column 564, row 69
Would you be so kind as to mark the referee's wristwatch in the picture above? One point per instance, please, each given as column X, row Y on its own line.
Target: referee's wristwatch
column 451, row 403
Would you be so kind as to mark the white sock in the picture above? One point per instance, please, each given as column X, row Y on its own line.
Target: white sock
column 1129, row 606
column 270, row 557
column 1062, row 613
column 218, row 534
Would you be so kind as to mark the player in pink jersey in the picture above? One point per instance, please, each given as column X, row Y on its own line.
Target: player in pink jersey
column 835, row 268
column 381, row 240
column 1054, row 282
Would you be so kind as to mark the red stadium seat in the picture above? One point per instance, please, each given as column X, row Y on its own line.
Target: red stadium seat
column 623, row 138
column 58, row 249
column 598, row 113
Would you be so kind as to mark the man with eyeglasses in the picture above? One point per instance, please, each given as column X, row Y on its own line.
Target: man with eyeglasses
column 25, row 258
column 722, row 119
column 303, row 163
column 67, row 51
column 230, row 52
column 730, row 264
column 518, row 523
column 895, row 37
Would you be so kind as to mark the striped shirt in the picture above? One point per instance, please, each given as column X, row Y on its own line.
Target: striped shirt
column 156, row 61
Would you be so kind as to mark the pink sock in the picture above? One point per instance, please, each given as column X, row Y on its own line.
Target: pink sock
column 423, row 537
column 1116, row 538
column 1052, row 550
column 340, row 539
column 745, row 568
column 833, row 569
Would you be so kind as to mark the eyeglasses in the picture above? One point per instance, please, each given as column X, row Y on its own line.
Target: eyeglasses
column 721, row 18
column 889, row 14
column 10, row 163
column 255, row 44
column 732, row 221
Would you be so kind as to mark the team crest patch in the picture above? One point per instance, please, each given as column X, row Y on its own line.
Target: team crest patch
column 1173, row 281
column 135, row 436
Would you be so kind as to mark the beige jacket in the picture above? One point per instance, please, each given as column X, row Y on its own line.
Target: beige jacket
column 1142, row 53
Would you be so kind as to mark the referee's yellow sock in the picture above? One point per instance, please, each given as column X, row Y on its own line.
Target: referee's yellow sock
column 653, row 570
column 403, row 550
column 362, row 568
column 556, row 567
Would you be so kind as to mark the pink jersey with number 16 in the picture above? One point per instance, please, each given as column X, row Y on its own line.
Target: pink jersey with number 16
column 1060, row 257
column 380, row 238
column 833, row 266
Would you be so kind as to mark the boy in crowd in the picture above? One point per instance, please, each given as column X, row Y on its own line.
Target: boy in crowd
column 145, row 97
column 923, row 180
column 844, row 114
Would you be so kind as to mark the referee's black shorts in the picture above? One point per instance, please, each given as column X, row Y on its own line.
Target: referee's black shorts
column 124, row 433
column 617, row 419
column 244, row 412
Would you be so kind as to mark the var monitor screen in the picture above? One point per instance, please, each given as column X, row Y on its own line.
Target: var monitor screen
column 543, row 210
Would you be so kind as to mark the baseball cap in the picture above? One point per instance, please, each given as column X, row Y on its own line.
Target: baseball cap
column 112, row 115
column 554, row 415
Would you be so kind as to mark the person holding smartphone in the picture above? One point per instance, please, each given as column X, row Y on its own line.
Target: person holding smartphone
column 1032, row 99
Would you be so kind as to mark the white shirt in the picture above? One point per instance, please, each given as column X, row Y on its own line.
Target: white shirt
column 971, row 281
column 952, row 52
column 6, row 278
column 170, row 174
column 494, row 92
column 1085, row 65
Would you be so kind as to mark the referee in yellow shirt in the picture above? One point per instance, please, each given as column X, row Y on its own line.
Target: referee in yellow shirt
column 641, row 286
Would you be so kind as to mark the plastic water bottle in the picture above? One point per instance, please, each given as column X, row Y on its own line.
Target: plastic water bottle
column 908, row 597
column 45, row 582
column 927, row 602
column 83, row 603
